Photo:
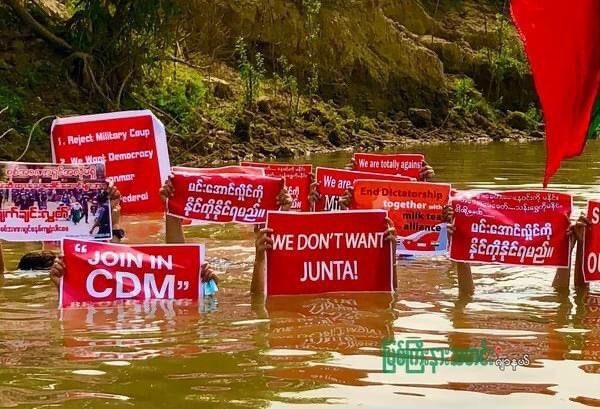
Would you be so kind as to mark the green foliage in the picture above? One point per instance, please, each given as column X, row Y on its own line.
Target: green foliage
column 120, row 40
column 289, row 85
column 312, row 9
column 180, row 96
column 508, row 58
column 464, row 89
column 252, row 73
column 467, row 100
column 533, row 117
column 11, row 99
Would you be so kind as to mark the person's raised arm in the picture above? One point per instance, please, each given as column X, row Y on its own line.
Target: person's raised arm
column 347, row 200
column 262, row 242
column 57, row 270
column 115, row 208
column 173, row 226
column 582, row 224
column 562, row 277
column 427, row 173
column 463, row 270
column 390, row 235
column 314, row 196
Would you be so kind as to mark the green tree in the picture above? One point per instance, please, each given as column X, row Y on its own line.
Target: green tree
column 252, row 73
column 109, row 44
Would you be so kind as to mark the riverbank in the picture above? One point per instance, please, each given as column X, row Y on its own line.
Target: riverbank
column 366, row 101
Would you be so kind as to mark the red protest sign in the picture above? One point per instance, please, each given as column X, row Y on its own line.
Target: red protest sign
column 333, row 183
column 414, row 207
column 224, row 198
column 132, row 145
column 220, row 170
column 591, row 244
column 525, row 228
column 328, row 252
column 225, row 169
column 101, row 272
column 297, row 181
column 397, row 164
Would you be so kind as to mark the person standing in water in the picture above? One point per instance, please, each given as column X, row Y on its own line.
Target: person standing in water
column 562, row 276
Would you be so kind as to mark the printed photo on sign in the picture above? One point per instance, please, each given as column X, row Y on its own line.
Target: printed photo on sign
column 394, row 164
column 224, row 198
column 104, row 272
column 297, row 181
column 328, row 252
column 591, row 244
column 131, row 144
column 525, row 228
column 414, row 207
column 333, row 184
column 47, row 202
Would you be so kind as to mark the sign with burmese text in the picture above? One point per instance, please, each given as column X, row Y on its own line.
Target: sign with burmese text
column 525, row 228
column 333, row 184
column 326, row 252
column 397, row 164
column 591, row 244
column 224, row 169
column 218, row 171
column 414, row 207
column 224, row 198
column 46, row 202
column 297, row 181
column 104, row 272
column 131, row 144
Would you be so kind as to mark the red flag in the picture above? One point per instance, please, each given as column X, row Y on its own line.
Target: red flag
column 562, row 41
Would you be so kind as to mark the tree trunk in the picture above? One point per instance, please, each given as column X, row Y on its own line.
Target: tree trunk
column 21, row 11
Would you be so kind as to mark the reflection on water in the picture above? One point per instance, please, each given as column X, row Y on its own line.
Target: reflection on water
column 316, row 351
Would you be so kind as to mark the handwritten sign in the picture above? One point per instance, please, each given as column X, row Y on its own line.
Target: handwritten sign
column 297, row 181
column 414, row 207
column 525, row 228
column 103, row 272
column 328, row 252
column 591, row 244
column 132, row 145
column 224, row 198
column 44, row 201
column 333, row 184
column 398, row 164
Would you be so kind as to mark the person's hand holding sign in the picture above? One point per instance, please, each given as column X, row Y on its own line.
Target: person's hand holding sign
column 427, row 173
column 463, row 270
column 346, row 200
column 577, row 230
column 57, row 270
column 173, row 226
column 314, row 196
column 115, row 206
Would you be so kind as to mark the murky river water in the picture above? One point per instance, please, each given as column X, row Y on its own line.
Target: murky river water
column 319, row 351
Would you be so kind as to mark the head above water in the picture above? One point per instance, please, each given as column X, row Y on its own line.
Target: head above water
column 37, row 260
